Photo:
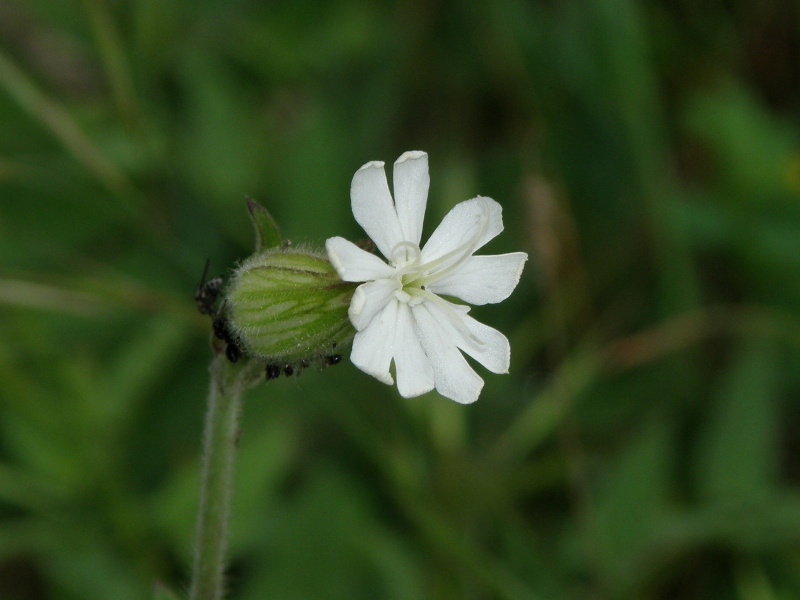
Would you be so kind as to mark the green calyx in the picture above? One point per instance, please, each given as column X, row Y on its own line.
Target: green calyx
column 289, row 305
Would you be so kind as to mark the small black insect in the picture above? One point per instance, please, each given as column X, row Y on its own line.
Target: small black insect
column 207, row 292
column 220, row 326
column 221, row 331
column 233, row 352
column 274, row 370
column 206, row 296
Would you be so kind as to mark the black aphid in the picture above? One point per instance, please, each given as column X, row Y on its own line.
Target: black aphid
column 233, row 352
column 206, row 296
column 207, row 292
column 220, row 327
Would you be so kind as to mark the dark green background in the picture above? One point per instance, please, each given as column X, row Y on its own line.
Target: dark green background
column 647, row 156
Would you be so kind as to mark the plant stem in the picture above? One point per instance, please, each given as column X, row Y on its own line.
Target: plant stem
column 219, row 451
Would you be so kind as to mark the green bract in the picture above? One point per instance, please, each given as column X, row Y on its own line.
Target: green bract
column 287, row 305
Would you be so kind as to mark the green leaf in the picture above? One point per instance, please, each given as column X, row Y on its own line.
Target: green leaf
column 739, row 453
column 632, row 501
column 753, row 149
column 267, row 233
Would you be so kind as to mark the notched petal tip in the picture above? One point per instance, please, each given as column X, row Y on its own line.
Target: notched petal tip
column 411, row 155
column 380, row 376
column 411, row 183
column 523, row 258
column 495, row 212
column 368, row 367
column 465, row 392
column 470, row 397
column 373, row 164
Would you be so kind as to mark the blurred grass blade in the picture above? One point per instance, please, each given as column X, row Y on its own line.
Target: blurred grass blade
column 41, row 296
column 58, row 121
column 136, row 367
column 492, row 573
column 547, row 410
column 740, row 451
column 114, row 61
column 628, row 507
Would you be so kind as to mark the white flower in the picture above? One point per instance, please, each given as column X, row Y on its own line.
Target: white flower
column 398, row 313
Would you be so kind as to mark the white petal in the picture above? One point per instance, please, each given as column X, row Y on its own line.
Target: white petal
column 411, row 181
column 412, row 366
column 354, row 264
column 487, row 345
column 453, row 376
column 369, row 299
column 373, row 207
column 471, row 223
column 373, row 347
column 483, row 279
column 483, row 343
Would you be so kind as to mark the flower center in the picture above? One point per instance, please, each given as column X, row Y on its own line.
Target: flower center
column 405, row 255
column 413, row 275
column 407, row 259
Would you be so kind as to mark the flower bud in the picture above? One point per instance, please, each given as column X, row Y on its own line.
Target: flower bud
column 288, row 305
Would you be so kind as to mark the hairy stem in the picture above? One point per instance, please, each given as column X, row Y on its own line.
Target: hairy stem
column 219, row 452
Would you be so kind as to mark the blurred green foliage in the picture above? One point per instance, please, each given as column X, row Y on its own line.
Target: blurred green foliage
column 647, row 155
